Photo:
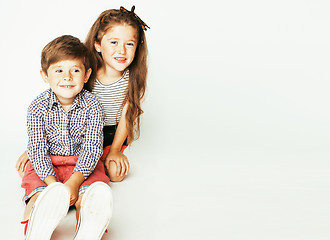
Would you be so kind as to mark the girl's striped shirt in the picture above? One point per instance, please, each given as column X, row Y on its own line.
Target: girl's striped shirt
column 112, row 97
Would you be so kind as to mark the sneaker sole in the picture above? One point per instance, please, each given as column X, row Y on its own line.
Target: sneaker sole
column 95, row 212
column 50, row 207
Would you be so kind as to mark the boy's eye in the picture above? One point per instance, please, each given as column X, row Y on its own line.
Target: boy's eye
column 76, row 70
column 113, row 42
column 58, row 70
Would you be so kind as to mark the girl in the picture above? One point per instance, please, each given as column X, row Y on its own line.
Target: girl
column 119, row 48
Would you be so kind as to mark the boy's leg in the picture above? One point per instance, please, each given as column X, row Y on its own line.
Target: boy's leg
column 29, row 206
column 46, row 205
column 94, row 209
column 78, row 206
column 49, row 207
column 94, row 205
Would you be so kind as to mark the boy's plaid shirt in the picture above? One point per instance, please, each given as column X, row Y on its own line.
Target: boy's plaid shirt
column 52, row 131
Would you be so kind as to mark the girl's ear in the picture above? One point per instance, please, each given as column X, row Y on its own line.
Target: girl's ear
column 44, row 76
column 97, row 46
column 88, row 73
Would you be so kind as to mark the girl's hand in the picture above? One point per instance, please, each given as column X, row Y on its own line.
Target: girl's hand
column 21, row 164
column 121, row 161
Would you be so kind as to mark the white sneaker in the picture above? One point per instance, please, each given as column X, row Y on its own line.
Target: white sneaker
column 48, row 210
column 95, row 212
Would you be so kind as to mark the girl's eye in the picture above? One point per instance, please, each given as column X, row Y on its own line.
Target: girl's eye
column 130, row 44
column 113, row 42
column 58, row 71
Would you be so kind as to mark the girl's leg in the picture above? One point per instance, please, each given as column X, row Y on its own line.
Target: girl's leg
column 112, row 172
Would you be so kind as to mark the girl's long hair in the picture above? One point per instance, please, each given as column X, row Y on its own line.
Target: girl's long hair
column 137, row 70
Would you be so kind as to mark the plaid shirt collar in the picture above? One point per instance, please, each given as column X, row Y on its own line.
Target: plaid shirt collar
column 79, row 101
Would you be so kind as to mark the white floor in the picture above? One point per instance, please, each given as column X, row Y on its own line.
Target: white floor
column 232, row 197
column 235, row 135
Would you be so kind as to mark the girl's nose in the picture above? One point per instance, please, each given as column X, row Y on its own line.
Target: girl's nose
column 121, row 49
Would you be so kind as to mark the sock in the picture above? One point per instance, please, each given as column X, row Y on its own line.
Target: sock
column 26, row 222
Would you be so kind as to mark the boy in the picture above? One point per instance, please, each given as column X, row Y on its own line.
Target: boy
column 64, row 145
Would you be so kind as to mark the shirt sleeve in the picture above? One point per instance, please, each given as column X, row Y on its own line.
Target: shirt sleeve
column 37, row 149
column 92, row 144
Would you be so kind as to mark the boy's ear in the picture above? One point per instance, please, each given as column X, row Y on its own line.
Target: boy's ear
column 87, row 75
column 44, row 76
column 97, row 46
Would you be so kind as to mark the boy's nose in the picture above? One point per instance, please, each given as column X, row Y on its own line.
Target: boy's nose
column 67, row 76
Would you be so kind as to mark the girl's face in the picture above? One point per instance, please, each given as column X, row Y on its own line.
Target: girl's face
column 118, row 47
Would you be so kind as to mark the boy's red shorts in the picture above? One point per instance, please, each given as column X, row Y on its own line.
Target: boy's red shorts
column 63, row 167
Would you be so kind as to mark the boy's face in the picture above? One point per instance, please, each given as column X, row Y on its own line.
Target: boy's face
column 66, row 78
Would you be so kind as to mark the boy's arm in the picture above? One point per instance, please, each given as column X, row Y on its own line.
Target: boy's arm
column 73, row 184
column 50, row 179
column 91, row 150
column 92, row 142
column 37, row 149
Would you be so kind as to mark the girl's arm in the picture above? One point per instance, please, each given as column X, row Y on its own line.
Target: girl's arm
column 21, row 164
column 115, row 153
column 121, row 131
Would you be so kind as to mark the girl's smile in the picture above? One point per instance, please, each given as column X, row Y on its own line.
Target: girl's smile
column 118, row 47
column 120, row 60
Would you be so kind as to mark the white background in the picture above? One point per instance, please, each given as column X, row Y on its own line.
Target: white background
column 235, row 135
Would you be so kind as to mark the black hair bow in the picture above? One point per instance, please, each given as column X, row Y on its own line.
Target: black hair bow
column 143, row 24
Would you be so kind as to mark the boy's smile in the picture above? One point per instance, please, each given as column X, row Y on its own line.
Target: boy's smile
column 66, row 78
column 67, row 86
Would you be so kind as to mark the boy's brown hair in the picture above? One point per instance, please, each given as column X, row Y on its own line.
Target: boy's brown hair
column 64, row 48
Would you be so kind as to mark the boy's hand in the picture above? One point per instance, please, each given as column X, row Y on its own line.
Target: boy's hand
column 50, row 179
column 73, row 184
column 74, row 190
column 121, row 161
column 21, row 164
